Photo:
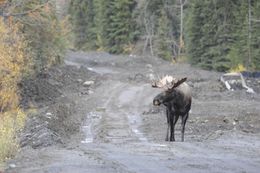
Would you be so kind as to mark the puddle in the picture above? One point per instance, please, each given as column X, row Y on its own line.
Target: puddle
column 72, row 63
column 135, row 122
column 92, row 118
column 88, row 134
column 102, row 70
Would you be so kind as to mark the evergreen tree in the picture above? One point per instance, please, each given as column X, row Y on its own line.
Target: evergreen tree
column 163, row 41
column 255, row 39
column 121, row 26
column 103, row 10
column 238, row 52
column 163, row 17
column 221, row 36
column 102, row 24
column 225, row 38
column 217, row 34
column 196, row 19
column 82, row 17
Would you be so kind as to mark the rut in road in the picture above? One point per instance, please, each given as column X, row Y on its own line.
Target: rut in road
column 120, row 119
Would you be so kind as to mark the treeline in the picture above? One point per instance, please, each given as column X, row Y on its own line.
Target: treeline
column 215, row 35
column 223, row 34
column 31, row 40
column 102, row 24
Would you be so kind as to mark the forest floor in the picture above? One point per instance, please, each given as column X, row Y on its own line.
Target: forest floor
column 108, row 124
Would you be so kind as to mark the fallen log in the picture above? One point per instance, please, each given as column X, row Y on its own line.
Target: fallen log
column 229, row 79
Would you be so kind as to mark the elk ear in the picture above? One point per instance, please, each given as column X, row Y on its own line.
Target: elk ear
column 178, row 82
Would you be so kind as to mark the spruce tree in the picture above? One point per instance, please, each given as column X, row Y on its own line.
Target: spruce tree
column 115, row 25
column 82, row 18
column 216, row 33
column 196, row 20
column 163, row 41
column 238, row 52
column 255, row 39
column 122, row 26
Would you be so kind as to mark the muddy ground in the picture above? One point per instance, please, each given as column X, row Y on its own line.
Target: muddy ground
column 108, row 124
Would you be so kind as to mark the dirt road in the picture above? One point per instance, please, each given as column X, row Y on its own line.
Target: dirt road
column 123, row 132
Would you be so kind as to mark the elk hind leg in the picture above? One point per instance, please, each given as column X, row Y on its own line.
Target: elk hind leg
column 168, row 124
column 183, row 123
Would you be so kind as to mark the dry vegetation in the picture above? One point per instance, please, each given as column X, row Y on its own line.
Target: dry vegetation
column 12, row 64
column 31, row 41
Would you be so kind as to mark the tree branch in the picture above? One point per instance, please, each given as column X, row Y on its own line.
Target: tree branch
column 26, row 12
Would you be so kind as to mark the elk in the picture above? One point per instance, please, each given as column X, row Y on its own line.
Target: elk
column 176, row 97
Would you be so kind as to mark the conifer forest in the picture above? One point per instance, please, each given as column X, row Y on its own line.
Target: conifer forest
column 213, row 34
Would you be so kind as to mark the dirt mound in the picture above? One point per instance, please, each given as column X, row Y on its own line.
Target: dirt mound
column 45, row 87
column 52, row 92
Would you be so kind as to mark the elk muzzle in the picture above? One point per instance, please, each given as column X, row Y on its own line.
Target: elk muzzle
column 156, row 102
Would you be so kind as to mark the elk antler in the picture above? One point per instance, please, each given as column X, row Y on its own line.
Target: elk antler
column 178, row 82
column 168, row 83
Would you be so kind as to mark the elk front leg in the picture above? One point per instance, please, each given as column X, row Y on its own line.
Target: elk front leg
column 173, row 122
column 183, row 123
column 168, row 124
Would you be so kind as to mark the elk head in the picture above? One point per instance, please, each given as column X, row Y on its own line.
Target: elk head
column 168, row 84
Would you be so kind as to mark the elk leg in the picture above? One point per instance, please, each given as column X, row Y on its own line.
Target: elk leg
column 183, row 123
column 168, row 124
column 173, row 122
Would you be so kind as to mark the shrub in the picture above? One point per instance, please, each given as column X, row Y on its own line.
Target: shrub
column 12, row 65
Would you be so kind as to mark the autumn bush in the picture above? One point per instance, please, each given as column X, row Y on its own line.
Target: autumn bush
column 12, row 64
column 32, row 39
column 44, row 32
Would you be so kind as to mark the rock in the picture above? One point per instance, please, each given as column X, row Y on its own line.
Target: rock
column 225, row 120
column 48, row 115
column 149, row 66
column 84, row 92
column 12, row 165
column 191, row 121
column 219, row 132
column 88, row 83
column 151, row 77
column 150, row 70
column 235, row 122
column 90, row 92
column 235, row 119
column 132, row 55
column 79, row 80
column 250, row 90
column 205, row 121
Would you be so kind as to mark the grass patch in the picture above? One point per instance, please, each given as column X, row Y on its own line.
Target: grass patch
column 10, row 124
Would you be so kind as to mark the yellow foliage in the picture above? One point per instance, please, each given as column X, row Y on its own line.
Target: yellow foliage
column 2, row 2
column 44, row 33
column 128, row 48
column 238, row 68
column 12, row 64
column 10, row 123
